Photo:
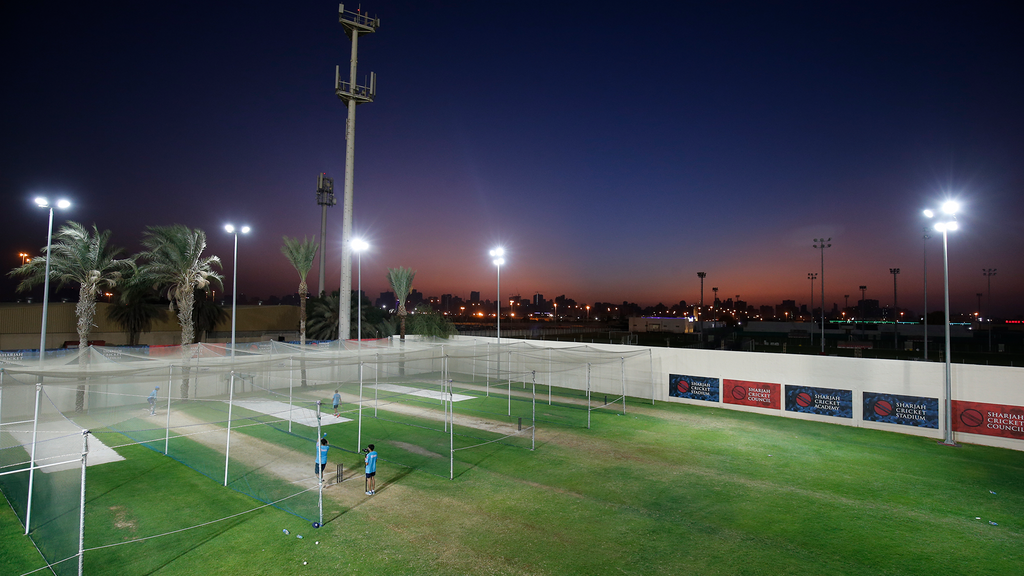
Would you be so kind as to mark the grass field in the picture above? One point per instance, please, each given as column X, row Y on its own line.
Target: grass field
column 670, row 489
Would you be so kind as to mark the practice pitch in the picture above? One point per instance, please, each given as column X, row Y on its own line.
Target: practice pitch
column 296, row 414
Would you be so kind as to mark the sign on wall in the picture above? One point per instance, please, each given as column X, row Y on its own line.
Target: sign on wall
column 821, row 401
column 744, row 393
column 989, row 419
column 693, row 387
column 903, row 410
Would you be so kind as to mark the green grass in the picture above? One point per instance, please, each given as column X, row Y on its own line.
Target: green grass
column 670, row 489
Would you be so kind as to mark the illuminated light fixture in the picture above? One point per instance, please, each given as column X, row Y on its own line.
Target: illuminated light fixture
column 230, row 229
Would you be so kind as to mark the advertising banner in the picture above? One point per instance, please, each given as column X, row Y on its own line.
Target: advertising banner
column 693, row 387
column 989, row 419
column 744, row 393
column 822, row 401
column 903, row 410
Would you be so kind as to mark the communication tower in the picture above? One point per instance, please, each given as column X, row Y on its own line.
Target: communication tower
column 351, row 93
column 324, row 198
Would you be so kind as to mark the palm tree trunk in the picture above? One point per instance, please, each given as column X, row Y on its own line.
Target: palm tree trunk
column 185, row 303
column 303, row 290
column 85, row 311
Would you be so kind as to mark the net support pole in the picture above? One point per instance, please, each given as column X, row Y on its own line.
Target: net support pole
column 509, row 382
column 167, row 423
column 81, row 504
column 445, row 400
column 654, row 384
column 1, row 395
column 376, row 379
column 32, row 458
column 533, row 433
column 549, row 376
column 359, row 432
column 316, row 450
column 487, row 370
column 451, row 437
column 622, row 376
column 227, row 449
column 291, row 373
column 588, row 395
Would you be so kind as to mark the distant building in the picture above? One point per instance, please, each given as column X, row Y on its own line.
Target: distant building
column 655, row 324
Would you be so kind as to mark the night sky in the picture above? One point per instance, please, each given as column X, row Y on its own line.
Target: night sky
column 613, row 151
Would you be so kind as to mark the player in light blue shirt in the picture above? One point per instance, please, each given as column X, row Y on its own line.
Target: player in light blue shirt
column 371, row 470
column 321, row 459
column 337, row 402
column 152, row 401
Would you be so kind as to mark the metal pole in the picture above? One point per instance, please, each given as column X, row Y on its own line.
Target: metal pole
column 345, row 290
column 451, row 434
column 533, row 415
column 509, row 382
column 227, row 449
column 32, row 458
column 925, row 295
column 81, row 503
column 622, row 368
column 588, row 395
column 359, row 433
column 359, row 299
column 323, row 466
column 376, row 377
column 234, row 298
column 291, row 370
column 46, row 290
column 167, row 425
column 949, row 387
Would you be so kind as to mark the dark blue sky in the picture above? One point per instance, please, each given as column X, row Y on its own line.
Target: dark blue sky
column 613, row 151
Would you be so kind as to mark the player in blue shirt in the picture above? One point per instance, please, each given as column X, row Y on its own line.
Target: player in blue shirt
column 371, row 470
column 321, row 459
column 337, row 402
column 152, row 401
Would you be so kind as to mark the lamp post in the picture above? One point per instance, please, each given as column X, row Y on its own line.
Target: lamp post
column 498, row 259
column 989, row 273
column 811, row 276
column 24, row 257
column 234, row 281
column 821, row 244
column 44, row 203
column 700, row 310
column 895, row 310
column 946, row 223
column 925, row 242
column 358, row 245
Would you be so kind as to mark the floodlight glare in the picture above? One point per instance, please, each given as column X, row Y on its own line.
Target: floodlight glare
column 950, row 207
column 929, row 213
column 245, row 229
column 63, row 203
column 42, row 202
column 229, row 228
column 358, row 244
column 951, row 225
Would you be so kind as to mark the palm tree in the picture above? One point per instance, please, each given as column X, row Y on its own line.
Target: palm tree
column 323, row 317
column 136, row 308
column 428, row 322
column 174, row 262
column 401, row 282
column 206, row 314
column 301, row 255
column 78, row 256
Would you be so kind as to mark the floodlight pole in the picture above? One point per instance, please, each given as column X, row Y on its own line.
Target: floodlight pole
column 359, row 432
column 821, row 244
column 355, row 23
column 925, row 243
column 948, row 439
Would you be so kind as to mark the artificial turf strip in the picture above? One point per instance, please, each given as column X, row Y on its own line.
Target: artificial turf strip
column 665, row 490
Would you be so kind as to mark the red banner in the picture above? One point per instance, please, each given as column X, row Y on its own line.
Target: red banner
column 989, row 419
column 760, row 394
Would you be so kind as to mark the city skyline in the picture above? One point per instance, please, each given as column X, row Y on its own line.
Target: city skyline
column 611, row 165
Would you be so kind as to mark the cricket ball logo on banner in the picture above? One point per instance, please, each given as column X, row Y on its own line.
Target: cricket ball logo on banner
column 903, row 410
column 821, row 401
column 989, row 419
column 744, row 393
column 693, row 387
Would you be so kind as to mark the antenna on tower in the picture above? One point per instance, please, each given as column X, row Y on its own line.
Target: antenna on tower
column 324, row 198
column 355, row 24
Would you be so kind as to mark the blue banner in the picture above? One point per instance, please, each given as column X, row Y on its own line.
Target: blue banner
column 903, row 410
column 821, row 401
column 693, row 387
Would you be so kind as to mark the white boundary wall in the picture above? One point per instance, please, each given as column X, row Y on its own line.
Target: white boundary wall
column 989, row 384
